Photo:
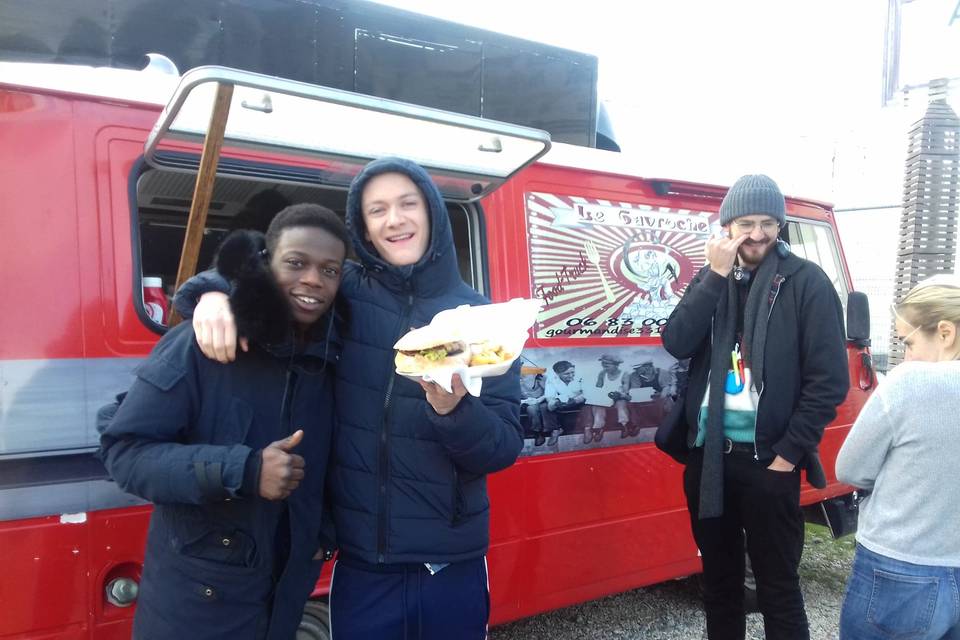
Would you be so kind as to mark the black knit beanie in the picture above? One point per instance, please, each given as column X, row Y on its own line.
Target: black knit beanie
column 753, row 195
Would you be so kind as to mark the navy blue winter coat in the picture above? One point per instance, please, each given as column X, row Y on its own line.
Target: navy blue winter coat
column 406, row 484
column 188, row 437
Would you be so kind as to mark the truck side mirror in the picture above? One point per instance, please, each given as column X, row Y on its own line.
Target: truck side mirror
column 858, row 319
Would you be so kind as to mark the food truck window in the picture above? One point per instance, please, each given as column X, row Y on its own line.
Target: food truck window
column 163, row 206
column 816, row 243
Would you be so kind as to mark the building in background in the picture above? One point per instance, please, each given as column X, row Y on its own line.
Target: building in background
column 877, row 198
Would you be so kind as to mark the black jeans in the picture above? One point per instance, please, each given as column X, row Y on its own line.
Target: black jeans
column 765, row 505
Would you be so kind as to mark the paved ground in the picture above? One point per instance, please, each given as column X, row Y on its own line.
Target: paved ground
column 672, row 611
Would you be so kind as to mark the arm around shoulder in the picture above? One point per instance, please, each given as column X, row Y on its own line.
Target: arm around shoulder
column 189, row 294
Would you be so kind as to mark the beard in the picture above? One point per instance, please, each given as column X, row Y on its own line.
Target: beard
column 752, row 253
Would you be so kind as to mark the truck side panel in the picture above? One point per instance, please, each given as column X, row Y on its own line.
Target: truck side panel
column 567, row 525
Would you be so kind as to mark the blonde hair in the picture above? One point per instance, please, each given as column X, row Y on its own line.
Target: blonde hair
column 930, row 301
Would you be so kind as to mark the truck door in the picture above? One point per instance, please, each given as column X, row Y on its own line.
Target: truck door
column 316, row 135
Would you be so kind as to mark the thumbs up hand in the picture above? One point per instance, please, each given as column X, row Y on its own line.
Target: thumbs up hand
column 280, row 470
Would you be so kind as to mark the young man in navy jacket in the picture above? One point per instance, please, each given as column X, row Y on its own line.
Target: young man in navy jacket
column 408, row 476
column 234, row 458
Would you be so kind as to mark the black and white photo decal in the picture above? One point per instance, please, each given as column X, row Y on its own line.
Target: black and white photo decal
column 576, row 398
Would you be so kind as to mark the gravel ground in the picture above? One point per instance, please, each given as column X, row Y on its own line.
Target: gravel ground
column 672, row 610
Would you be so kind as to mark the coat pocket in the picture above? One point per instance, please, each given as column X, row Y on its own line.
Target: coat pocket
column 183, row 596
column 228, row 548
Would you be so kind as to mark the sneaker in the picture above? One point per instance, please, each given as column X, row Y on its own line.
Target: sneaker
column 554, row 438
column 598, row 434
column 587, row 435
column 539, row 440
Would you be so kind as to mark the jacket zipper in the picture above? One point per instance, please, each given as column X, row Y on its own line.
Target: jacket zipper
column 384, row 461
column 756, row 414
column 285, row 410
column 285, row 413
column 455, row 497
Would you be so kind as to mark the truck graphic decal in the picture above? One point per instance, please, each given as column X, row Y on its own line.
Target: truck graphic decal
column 610, row 269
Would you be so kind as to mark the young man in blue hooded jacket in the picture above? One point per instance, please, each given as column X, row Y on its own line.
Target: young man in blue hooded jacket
column 408, row 472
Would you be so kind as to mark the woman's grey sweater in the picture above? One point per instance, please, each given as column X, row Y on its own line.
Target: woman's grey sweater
column 905, row 448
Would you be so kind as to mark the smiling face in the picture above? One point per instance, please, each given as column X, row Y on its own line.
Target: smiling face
column 395, row 218
column 568, row 375
column 761, row 232
column 306, row 263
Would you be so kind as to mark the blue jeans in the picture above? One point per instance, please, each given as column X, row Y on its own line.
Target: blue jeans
column 889, row 598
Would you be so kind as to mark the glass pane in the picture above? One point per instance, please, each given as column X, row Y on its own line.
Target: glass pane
column 830, row 263
column 815, row 242
column 163, row 204
column 466, row 241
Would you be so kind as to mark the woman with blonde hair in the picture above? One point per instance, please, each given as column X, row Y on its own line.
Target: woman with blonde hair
column 904, row 449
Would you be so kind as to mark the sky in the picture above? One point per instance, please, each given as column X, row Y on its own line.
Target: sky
column 708, row 91
column 712, row 90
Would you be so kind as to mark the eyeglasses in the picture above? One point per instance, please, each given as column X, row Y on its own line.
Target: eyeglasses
column 903, row 340
column 747, row 226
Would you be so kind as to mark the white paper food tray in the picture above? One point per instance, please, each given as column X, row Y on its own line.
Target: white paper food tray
column 505, row 323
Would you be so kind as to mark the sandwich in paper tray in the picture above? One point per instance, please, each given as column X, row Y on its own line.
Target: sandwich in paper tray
column 476, row 342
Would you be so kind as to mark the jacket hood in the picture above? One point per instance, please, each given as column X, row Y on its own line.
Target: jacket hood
column 438, row 266
column 260, row 309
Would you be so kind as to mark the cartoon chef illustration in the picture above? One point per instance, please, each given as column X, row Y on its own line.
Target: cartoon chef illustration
column 653, row 271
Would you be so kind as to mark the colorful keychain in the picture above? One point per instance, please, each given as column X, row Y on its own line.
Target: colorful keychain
column 735, row 377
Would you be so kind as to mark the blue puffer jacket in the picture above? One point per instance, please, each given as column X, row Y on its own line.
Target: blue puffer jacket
column 407, row 484
column 188, row 438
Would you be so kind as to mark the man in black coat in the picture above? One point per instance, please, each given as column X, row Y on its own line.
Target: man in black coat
column 764, row 331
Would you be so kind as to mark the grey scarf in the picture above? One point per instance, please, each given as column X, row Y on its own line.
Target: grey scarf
column 755, row 317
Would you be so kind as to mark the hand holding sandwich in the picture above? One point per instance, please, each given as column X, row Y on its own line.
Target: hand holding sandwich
column 431, row 348
column 441, row 401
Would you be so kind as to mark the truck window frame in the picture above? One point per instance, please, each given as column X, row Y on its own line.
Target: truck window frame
column 468, row 223
column 803, row 227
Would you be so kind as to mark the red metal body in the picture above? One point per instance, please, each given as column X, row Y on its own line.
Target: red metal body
column 566, row 528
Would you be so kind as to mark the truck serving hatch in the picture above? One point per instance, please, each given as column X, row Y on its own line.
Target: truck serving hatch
column 325, row 136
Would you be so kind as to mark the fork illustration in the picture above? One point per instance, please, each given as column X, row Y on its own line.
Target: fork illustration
column 594, row 256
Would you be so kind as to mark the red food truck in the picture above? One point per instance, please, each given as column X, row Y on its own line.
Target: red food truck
column 99, row 168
